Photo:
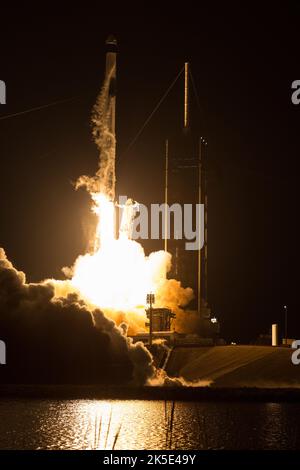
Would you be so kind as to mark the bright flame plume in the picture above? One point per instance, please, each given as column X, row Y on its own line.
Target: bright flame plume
column 116, row 276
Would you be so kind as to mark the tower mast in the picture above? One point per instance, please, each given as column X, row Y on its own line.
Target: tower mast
column 199, row 208
column 186, row 96
column 166, row 196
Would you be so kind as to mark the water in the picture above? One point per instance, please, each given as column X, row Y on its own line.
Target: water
column 138, row 424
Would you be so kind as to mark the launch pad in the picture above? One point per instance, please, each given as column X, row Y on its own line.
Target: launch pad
column 185, row 160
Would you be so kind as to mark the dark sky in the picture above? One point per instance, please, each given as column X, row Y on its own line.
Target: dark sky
column 243, row 63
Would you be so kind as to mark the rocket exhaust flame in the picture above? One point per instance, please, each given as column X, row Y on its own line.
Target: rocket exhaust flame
column 116, row 276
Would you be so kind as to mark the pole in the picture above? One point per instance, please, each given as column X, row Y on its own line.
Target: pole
column 205, row 233
column 199, row 208
column 150, row 321
column 166, row 195
column 286, row 324
column 186, row 96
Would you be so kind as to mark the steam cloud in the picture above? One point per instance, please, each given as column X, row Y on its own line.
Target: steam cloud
column 53, row 339
column 60, row 340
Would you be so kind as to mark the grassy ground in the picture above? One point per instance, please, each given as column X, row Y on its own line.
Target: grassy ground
column 236, row 366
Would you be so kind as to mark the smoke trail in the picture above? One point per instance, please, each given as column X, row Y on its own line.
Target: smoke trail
column 105, row 178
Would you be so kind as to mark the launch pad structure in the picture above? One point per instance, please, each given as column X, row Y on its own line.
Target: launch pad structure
column 188, row 162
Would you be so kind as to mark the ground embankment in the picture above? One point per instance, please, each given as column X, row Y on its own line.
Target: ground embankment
column 236, row 366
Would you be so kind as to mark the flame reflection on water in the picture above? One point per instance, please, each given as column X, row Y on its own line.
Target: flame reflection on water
column 139, row 424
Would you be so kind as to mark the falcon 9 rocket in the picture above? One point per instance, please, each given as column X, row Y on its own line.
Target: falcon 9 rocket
column 110, row 76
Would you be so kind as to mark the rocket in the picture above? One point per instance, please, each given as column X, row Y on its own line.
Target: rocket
column 110, row 80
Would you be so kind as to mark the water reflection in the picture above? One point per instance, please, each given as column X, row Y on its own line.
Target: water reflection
column 137, row 424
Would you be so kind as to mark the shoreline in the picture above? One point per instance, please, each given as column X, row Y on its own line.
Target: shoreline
column 101, row 392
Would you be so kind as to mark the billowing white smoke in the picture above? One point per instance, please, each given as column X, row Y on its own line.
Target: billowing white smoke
column 61, row 339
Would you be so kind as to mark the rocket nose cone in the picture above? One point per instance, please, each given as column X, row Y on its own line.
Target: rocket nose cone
column 111, row 40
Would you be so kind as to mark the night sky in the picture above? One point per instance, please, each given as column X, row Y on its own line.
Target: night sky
column 243, row 64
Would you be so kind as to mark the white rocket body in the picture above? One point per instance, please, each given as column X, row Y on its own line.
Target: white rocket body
column 110, row 76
